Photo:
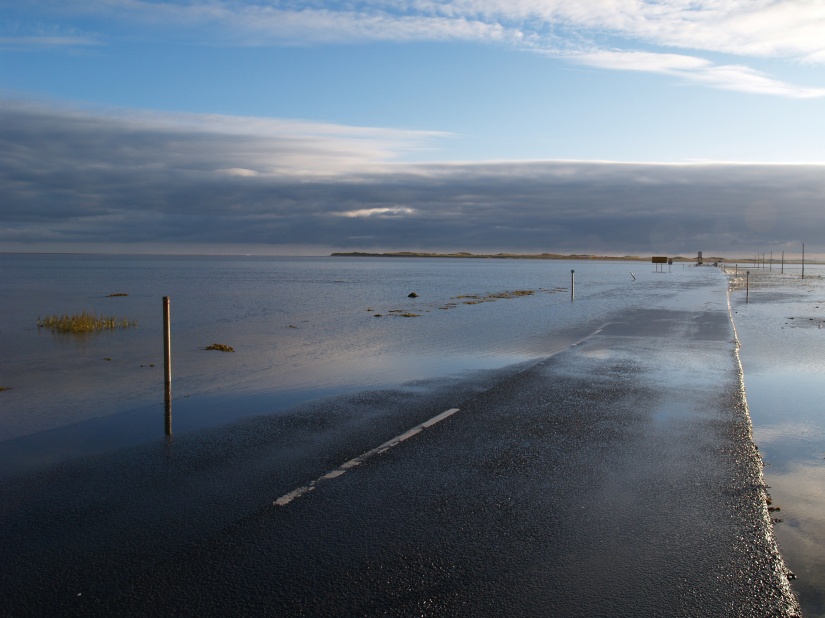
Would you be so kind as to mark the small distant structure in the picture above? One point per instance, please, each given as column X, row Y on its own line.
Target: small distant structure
column 660, row 260
column 699, row 259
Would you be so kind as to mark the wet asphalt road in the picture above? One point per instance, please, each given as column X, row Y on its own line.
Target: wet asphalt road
column 617, row 478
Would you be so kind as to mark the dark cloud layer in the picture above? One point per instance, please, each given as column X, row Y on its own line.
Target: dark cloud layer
column 70, row 177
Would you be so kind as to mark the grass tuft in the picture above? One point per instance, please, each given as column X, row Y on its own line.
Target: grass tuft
column 84, row 322
column 220, row 347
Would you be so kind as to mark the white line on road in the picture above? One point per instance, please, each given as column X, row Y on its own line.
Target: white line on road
column 357, row 461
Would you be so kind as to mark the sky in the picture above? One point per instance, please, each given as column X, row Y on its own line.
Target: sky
column 615, row 127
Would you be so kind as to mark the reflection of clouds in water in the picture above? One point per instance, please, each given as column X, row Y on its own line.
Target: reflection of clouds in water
column 796, row 431
column 800, row 494
column 785, row 385
column 803, row 484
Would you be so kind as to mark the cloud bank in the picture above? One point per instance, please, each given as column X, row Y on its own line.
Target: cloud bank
column 75, row 178
column 670, row 37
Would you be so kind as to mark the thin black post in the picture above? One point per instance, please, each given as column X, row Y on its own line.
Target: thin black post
column 782, row 272
column 747, row 285
column 572, row 284
column 167, row 367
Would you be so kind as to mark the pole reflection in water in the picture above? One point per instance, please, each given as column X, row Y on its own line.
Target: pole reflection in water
column 167, row 366
column 167, row 416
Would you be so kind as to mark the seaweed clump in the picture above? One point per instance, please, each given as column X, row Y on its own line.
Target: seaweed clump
column 220, row 347
column 83, row 322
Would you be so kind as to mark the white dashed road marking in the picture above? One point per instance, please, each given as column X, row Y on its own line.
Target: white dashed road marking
column 297, row 493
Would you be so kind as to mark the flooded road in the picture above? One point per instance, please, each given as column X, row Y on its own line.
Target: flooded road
column 617, row 477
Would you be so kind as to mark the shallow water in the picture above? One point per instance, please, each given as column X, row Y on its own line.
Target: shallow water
column 616, row 478
column 784, row 364
column 302, row 328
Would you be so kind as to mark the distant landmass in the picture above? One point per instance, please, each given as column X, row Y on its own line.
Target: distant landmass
column 520, row 256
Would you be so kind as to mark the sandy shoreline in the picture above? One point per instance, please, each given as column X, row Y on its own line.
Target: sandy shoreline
column 518, row 256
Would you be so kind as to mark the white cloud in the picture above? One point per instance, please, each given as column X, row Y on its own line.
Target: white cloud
column 243, row 147
column 642, row 61
column 611, row 34
column 691, row 68
column 239, row 171
column 371, row 212
column 80, row 176
column 745, row 79
column 29, row 42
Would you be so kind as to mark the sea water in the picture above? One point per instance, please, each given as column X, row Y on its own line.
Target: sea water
column 307, row 328
column 301, row 328
column 781, row 326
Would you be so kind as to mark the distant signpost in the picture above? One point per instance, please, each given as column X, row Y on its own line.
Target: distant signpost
column 657, row 260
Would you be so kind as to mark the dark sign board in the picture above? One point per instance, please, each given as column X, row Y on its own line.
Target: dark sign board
column 659, row 260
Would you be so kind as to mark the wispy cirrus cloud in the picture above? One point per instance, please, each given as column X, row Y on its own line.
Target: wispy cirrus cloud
column 695, row 69
column 45, row 42
column 670, row 37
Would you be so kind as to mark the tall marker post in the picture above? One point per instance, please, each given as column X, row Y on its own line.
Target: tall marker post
column 572, row 284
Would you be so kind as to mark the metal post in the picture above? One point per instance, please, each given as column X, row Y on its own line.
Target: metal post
column 747, row 285
column 803, row 260
column 167, row 345
column 782, row 272
column 770, row 264
column 572, row 284
column 167, row 367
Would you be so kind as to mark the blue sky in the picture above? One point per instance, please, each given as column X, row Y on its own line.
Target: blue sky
column 478, row 125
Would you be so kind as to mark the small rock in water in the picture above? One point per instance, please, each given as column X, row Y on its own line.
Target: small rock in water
column 412, row 295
